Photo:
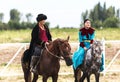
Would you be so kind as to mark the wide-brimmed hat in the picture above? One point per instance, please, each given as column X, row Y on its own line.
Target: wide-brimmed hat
column 41, row 17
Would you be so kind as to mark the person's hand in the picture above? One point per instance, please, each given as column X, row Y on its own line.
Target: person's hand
column 47, row 43
column 90, row 45
column 85, row 48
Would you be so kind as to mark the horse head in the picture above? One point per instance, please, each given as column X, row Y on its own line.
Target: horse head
column 64, row 50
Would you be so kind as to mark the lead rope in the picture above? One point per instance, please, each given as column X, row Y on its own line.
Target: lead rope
column 52, row 53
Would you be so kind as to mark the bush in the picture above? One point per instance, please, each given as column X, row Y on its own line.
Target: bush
column 111, row 22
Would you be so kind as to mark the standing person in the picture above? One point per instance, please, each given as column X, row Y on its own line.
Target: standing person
column 39, row 37
column 86, row 39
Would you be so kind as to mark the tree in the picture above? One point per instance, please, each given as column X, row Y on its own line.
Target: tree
column 47, row 23
column 14, row 15
column 101, row 16
column 84, row 15
column 29, row 17
column 118, row 13
column 110, row 12
column 1, row 17
column 111, row 22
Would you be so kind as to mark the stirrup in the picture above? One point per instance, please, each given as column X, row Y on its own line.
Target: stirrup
column 34, row 70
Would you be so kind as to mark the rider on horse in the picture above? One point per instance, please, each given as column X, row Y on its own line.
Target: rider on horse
column 86, row 36
column 39, row 37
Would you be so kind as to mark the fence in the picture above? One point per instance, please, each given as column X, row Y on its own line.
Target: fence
column 112, row 61
column 104, row 42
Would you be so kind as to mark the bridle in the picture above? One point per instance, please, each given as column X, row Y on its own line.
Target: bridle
column 52, row 53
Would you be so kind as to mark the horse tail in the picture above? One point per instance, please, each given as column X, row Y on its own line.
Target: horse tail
column 25, row 62
column 26, row 56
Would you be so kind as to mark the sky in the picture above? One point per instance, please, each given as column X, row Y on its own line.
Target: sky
column 65, row 13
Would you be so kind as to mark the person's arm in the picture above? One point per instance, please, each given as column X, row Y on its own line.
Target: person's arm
column 81, row 40
column 48, row 33
column 92, row 38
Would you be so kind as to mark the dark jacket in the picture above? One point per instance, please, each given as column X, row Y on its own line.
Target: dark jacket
column 35, row 40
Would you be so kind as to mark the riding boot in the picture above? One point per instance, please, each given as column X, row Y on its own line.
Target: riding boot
column 34, row 64
column 102, row 64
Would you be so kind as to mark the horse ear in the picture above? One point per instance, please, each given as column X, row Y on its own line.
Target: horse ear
column 68, row 38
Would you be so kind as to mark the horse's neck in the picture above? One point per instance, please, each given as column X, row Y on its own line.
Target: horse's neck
column 88, row 55
column 52, row 49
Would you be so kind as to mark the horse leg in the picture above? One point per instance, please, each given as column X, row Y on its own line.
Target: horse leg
column 27, row 73
column 35, row 77
column 77, row 75
column 83, row 77
column 54, row 78
column 88, row 78
column 97, row 76
column 44, row 79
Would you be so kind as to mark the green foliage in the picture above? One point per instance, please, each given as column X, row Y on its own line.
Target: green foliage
column 14, row 24
column 14, row 15
column 100, row 16
column 97, row 23
column 3, row 26
column 29, row 16
column 111, row 22
column 47, row 23
column 57, row 27
column 1, row 17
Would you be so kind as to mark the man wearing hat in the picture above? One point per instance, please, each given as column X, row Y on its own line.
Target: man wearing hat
column 40, row 35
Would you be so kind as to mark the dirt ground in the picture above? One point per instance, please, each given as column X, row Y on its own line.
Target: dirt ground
column 15, row 74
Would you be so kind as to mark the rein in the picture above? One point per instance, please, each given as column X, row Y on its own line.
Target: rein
column 52, row 53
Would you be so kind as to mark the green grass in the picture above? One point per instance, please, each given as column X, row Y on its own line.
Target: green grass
column 25, row 35
column 108, row 34
column 12, row 36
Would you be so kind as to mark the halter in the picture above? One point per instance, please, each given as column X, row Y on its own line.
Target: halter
column 53, row 54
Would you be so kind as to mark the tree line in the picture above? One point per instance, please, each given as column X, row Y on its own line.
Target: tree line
column 102, row 16
column 14, row 22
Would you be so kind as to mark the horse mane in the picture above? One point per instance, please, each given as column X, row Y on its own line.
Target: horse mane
column 54, row 45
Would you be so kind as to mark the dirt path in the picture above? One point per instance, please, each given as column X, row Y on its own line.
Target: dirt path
column 7, row 51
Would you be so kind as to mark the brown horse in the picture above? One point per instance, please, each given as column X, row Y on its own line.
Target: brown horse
column 91, row 65
column 49, row 64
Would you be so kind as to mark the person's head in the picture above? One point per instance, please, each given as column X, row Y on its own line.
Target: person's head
column 41, row 18
column 87, row 23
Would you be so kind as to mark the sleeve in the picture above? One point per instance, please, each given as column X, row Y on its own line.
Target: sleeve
column 48, row 33
column 92, row 38
column 33, row 39
column 80, row 40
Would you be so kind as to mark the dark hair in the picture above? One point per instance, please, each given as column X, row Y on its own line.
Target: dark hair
column 86, row 20
column 41, row 17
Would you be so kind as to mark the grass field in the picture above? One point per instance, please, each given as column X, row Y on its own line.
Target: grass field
column 25, row 35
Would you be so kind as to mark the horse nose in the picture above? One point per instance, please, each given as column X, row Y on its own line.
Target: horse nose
column 68, row 61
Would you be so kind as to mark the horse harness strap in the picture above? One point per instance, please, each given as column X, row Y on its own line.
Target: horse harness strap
column 52, row 53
